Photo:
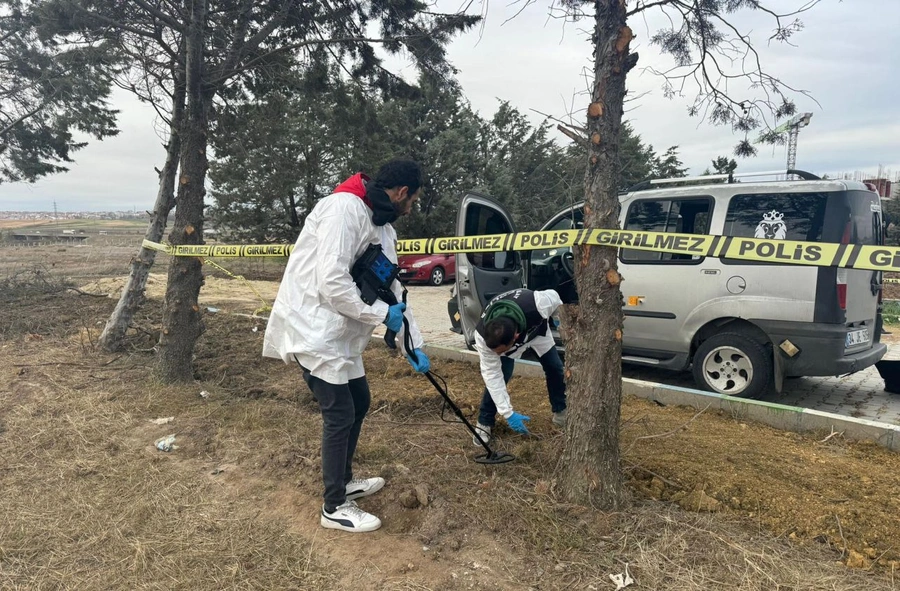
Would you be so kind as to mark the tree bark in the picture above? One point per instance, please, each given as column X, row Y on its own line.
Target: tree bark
column 589, row 470
column 132, row 298
column 181, row 313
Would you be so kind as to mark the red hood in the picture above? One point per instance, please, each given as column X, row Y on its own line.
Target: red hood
column 356, row 184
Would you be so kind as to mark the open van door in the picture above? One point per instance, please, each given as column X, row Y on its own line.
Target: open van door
column 482, row 276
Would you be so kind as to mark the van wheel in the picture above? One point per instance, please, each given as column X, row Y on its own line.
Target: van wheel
column 733, row 364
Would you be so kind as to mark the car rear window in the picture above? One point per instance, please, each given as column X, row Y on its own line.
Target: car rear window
column 777, row 216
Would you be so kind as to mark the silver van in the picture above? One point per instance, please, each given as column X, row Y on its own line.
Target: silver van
column 741, row 326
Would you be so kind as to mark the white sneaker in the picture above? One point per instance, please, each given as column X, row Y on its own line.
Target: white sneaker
column 559, row 419
column 484, row 433
column 349, row 517
column 363, row 487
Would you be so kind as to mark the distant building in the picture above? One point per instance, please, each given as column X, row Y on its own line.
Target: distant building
column 36, row 238
column 883, row 186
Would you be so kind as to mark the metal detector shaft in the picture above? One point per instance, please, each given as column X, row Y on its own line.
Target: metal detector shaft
column 492, row 456
column 458, row 412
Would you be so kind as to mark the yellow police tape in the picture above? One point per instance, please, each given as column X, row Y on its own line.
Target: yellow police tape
column 784, row 252
column 265, row 305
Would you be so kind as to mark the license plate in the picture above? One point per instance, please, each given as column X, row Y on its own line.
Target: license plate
column 404, row 270
column 857, row 337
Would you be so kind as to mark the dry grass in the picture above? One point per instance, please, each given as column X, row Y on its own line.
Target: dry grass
column 88, row 503
column 106, row 256
column 31, row 282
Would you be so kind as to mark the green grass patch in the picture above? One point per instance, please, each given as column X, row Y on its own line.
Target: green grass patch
column 891, row 311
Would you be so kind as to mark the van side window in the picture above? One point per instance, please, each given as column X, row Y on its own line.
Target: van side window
column 782, row 216
column 485, row 220
column 682, row 216
column 572, row 220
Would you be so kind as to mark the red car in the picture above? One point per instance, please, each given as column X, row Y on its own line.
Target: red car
column 433, row 269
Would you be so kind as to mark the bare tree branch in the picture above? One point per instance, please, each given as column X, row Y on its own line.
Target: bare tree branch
column 579, row 139
column 642, row 7
column 161, row 16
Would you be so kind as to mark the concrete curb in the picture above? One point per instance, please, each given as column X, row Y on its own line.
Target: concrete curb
column 779, row 416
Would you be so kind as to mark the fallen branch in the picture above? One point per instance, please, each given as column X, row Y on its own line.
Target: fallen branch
column 833, row 433
column 879, row 557
column 671, row 433
column 49, row 363
column 93, row 295
column 843, row 539
column 652, row 473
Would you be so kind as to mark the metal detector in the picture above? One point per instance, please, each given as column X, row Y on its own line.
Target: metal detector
column 491, row 457
column 374, row 274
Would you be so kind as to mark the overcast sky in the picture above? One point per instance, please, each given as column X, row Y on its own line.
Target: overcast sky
column 846, row 56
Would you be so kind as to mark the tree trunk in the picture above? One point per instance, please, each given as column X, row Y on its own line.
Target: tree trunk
column 589, row 471
column 181, row 312
column 132, row 298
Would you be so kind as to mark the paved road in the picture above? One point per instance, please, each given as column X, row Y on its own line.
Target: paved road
column 859, row 395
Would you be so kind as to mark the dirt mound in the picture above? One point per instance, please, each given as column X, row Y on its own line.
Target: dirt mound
column 219, row 292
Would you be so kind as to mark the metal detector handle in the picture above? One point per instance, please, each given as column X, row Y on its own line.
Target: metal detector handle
column 407, row 338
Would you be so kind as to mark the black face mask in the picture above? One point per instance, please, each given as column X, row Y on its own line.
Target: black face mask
column 383, row 211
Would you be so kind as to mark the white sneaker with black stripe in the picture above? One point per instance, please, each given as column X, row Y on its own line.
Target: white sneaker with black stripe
column 483, row 433
column 363, row 487
column 349, row 517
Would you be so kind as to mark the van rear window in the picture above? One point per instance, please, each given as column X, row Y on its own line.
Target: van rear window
column 777, row 216
column 865, row 215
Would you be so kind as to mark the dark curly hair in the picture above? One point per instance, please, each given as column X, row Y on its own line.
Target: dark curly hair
column 499, row 331
column 399, row 173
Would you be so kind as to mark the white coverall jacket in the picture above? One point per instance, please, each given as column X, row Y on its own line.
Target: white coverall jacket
column 547, row 301
column 318, row 315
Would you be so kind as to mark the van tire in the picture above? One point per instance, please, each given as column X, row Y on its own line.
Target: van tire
column 738, row 352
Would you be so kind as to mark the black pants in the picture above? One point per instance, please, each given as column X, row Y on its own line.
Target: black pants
column 554, row 372
column 344, row 406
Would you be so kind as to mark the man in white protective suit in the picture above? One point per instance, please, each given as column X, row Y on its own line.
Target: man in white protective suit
column 320, row 322
column 512, row 323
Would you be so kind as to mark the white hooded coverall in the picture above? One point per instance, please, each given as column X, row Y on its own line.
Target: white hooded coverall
column 318, row 316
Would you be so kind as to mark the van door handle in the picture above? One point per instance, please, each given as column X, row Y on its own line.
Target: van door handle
column 504, row 281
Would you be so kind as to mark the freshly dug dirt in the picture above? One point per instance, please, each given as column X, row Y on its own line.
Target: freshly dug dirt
column 89, row 502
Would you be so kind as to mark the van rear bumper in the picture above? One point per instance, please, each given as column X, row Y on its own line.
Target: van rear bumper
column 821, row 348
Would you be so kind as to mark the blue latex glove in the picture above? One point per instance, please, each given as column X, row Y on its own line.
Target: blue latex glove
column 516, row 422
column 419, row 361
column 394, row 318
